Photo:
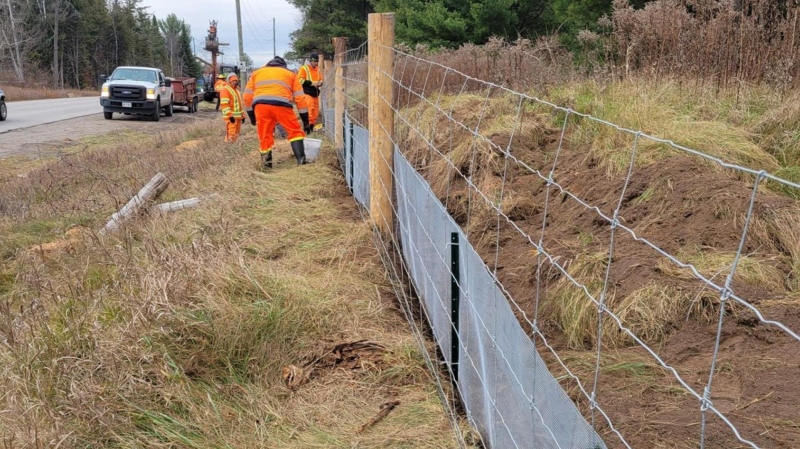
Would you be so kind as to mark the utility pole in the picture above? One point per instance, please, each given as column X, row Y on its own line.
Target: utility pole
column 242, row 68
column 274, row 52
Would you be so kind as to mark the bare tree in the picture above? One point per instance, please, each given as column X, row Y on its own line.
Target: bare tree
column 171, row 30
column 15, row 38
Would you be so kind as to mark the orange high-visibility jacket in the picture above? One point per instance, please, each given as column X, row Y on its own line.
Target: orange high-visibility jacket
column 308, row 73
column 219, row 85
column 231, row 101
column 273, row 84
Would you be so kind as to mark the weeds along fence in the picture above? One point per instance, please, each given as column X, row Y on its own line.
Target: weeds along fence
column 574, row 300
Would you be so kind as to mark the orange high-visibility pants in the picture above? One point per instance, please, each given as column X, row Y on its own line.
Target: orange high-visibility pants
column 313, row 109
column 233, row 130
column 307, row 103
column 267, row 116
column 303, row 102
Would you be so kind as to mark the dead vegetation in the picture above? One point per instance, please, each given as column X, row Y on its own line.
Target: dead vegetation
column 688, row 206
column 15, row 93
column 723, row 43
column 174, row 330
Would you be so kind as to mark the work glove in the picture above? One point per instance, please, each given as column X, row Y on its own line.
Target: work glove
column 252, row 115
column 232, row 120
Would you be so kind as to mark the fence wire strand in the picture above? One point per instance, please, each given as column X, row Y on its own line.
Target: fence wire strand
column 405, row 78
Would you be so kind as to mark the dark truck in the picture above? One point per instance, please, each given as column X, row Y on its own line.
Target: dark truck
column 3, row 111
column 137, row 90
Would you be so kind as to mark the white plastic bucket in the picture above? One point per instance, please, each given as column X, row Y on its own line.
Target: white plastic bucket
column 312, row 149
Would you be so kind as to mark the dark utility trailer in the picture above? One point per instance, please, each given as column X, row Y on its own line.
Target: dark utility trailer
column 185, row 89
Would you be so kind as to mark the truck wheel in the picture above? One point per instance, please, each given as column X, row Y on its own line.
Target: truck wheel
column 156, row 111
column 168, row 109
column 107, row 115
column 3, row 110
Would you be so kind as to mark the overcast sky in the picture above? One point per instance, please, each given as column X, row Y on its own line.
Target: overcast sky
column 256, row 24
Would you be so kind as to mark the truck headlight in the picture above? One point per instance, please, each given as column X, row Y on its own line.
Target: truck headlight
column 151, row 94
column 104, row 91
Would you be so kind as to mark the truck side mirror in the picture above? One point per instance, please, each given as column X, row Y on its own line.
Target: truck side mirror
column 167, row 82
column 103, row 78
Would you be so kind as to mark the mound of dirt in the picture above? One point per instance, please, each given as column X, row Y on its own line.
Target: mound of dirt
column 681, row 205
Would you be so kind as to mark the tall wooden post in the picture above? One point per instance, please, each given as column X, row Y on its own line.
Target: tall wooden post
column 381, row 119
column 340, row 47
column 322, row 62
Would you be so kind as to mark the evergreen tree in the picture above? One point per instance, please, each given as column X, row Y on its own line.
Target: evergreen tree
column 190, row 65
column 324, row 19
column 158, row 45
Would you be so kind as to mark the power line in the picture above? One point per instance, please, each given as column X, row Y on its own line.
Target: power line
column 251, row 28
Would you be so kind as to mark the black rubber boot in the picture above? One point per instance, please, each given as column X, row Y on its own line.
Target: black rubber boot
column 304, row 118
column 280, row 132
column 299, row 150
column 266, row 159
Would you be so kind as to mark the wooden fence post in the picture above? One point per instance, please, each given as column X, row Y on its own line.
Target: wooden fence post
column 323, row 63
column 381, row 119
column 340, row 47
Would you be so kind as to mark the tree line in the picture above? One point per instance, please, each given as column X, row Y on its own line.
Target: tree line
column 71, row 43
column 447, row 23
column 726, row 41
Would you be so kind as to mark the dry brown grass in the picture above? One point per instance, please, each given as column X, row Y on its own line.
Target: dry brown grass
column 720, row 127
column 14, row 93
column 174, row 331
column 655, row 310
column 720, row 43
column 778, row 231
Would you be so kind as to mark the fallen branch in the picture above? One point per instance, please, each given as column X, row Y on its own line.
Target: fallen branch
column 177, row 205
column 182, row 204
column 148, row 193
column 385, row 409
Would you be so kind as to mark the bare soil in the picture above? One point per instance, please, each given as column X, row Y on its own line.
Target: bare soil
column 681, row 204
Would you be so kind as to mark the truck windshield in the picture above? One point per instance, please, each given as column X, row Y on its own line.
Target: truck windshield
column 134, row 75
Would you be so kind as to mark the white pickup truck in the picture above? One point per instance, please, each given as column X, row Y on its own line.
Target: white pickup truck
column 137, row 90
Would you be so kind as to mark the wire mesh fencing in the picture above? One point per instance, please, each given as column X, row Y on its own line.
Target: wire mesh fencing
column 628, row 283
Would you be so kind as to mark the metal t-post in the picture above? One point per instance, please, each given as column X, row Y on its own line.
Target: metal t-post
column 455, row 305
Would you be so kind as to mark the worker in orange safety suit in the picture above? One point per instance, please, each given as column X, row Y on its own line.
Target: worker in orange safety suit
column 232, row 105
column 268, row 100
column 218, row 87
column 311, row 80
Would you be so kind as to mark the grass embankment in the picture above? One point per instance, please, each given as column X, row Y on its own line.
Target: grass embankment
column 689, row 207
column 188, row 329
column 37, row 93
column 755, row 128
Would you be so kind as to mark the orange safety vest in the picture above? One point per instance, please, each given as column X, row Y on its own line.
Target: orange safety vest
column 230, row 101
column 219, row 85
column 273, row 85
column 309, row 73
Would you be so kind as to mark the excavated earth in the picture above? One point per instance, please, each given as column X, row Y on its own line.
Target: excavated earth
column 680, row 203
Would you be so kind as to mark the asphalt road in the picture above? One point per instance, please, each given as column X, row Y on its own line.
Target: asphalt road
column 24, row 114
column 41, row 128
